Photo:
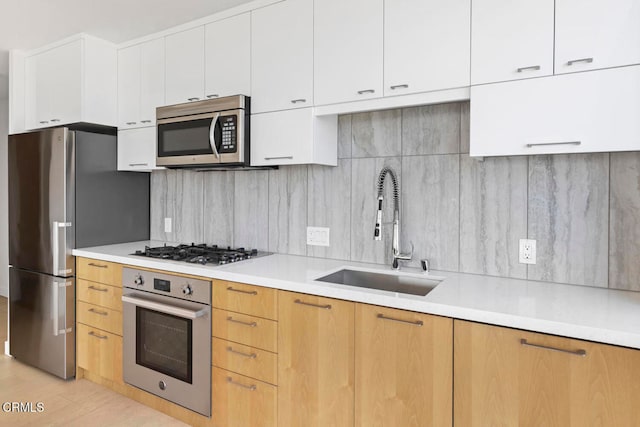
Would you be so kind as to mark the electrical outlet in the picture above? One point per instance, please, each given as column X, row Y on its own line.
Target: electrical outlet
column 167, row 225
column 527, row 251
column 318, row 236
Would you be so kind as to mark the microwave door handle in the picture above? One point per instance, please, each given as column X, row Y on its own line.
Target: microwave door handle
column 212, row 134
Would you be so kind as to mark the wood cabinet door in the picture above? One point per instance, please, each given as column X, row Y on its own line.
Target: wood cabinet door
column 228, row 57
column 426, row 45
column 315, row 361
column 99, row 352
column 596, row 34
column 508, row 377
column 184, row 66
column 348, row 50
column 511, row 40
column 282, row 56
column 404, row 368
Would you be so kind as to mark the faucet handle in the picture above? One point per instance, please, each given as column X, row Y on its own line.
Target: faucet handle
column 406, row 257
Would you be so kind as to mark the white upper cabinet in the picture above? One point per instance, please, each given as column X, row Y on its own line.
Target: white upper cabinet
column 596, row 34
column 426, row 45
column 228, row 57
column 511, row 39
column 348, row 50
column 137, row 149
column 184, row 71
column 140, row 83
column 63, row 83
column 293, row 137
column 593, row 111
column 282, row 56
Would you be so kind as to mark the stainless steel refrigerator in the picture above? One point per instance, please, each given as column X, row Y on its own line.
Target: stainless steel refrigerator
column 64, row 192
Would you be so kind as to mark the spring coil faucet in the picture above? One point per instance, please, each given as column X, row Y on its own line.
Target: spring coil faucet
column 377, row 234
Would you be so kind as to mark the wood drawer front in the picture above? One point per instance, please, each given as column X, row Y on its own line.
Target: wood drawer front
column 244, row 329
column 99, row 352
column 245, row 360
column 247, row 299
column 99, row 271
column 99, row 294
column 239, row 401
column 99, row 317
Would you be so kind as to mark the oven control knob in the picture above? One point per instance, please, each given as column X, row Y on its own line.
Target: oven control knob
column 186, row 289
column 138, row 281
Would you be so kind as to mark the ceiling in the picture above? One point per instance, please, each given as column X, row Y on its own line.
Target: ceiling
column 27, row 24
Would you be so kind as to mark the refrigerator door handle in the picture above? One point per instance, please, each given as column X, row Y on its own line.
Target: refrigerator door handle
column 55, row 243
column 56, row 307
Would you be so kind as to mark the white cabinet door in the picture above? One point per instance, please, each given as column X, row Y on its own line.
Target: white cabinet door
column 282, row 56
column 184, row 69
column 293, row 137
column 129, row 87
column 151, row 80
column 137, row 149
column 426, row 45
column 511, row 40
column 228, row 57
column 581, row 112
column 596, row 34
column 348, row 50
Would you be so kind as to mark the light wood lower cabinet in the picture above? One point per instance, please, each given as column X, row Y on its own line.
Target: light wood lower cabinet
column 404, row 368
column 315, row 361
column 240, row 401
column 509, row 377
column 99, row 352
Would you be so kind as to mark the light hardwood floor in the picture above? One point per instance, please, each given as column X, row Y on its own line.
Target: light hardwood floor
column 66, row 403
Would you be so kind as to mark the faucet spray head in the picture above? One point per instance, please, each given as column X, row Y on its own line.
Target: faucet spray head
column 377, row 233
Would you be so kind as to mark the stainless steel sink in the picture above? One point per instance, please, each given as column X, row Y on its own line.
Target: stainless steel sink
column 387, row 282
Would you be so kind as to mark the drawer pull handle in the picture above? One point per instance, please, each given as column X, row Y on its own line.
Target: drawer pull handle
column 251, row 387
column 532, row 68
column 239, row 353
column 252, row 324
column 410, row 322
column 100, row 337
column 98, row 289
column 326, row 307
column 577, row 61
column 230, row 288
column 101, row 313
column 405, row 86
column 93, row 264
column 554, row 143
column 581, row 353
column 362, row 92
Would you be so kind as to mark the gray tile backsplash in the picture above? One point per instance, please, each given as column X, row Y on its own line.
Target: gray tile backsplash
column 461, row 213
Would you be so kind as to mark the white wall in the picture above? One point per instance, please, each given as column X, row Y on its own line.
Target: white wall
column 4, row 227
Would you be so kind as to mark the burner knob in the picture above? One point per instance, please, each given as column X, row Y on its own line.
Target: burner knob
column 138, row 281
column 186, row 289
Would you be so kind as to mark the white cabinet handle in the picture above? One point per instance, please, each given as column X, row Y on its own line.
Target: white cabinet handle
column 55, row 120
column 215, row 95
column 138, row 164
column 295, row 101
column 193, row 99
column 405, row 86
column 531, row 68
column 554, row 143
column 131, row 123
column 362, row 92
column 577, row 61
column 44, row 122
column 145, row 121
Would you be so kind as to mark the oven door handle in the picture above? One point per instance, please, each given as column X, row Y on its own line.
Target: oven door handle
column 164, row 308
column 212, row 134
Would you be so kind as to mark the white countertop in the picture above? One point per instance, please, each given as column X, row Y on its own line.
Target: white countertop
column 596, row 314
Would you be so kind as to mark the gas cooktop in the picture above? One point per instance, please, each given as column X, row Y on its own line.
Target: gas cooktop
column 200, row 254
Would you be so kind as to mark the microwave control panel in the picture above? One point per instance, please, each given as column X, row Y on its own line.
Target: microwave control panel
column 229, row 126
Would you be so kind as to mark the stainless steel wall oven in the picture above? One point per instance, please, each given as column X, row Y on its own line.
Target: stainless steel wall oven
column 167, row 337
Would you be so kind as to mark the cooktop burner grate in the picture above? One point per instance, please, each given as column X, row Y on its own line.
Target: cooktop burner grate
column 200, row 253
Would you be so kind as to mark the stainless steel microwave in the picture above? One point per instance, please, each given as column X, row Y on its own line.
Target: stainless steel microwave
column 209, row 133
